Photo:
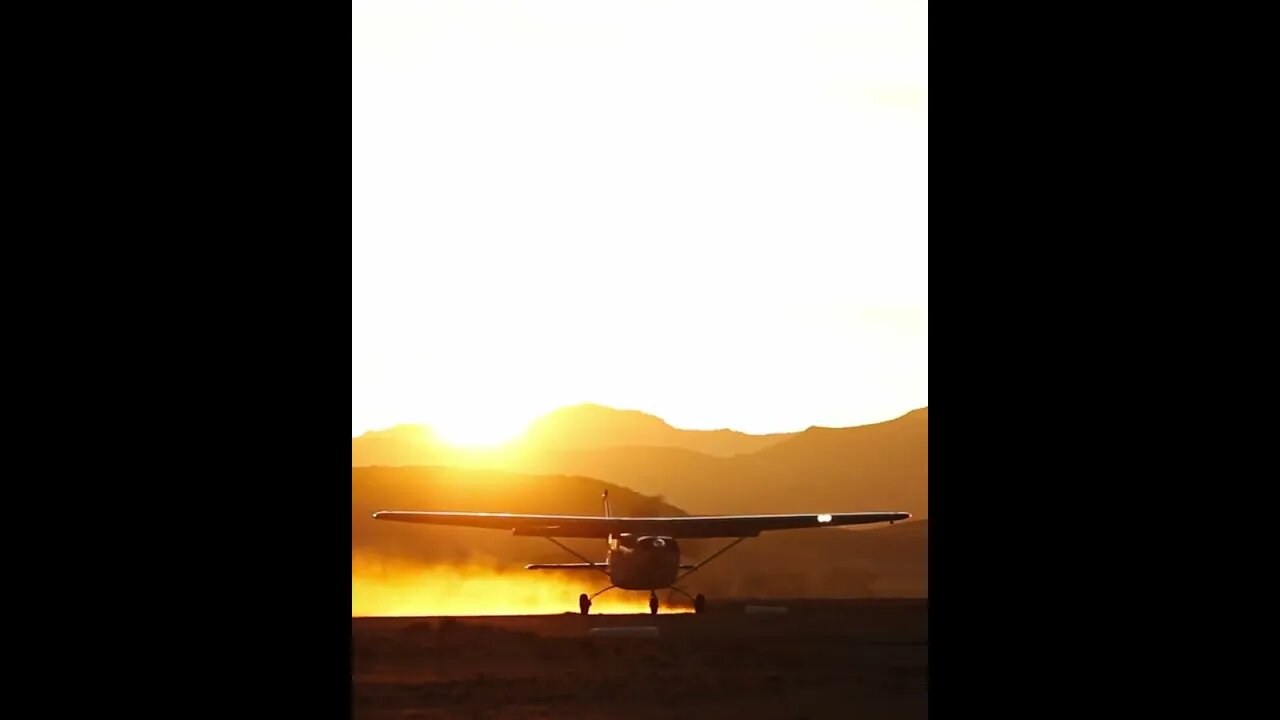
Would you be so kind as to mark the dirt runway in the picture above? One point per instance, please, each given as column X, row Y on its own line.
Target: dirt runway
column 862, row 659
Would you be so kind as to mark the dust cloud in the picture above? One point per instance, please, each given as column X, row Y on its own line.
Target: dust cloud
column 381, row 590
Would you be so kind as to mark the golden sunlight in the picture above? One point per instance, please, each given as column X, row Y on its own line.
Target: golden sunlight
column 448, row 590
column 481, row 428
column 634, row 278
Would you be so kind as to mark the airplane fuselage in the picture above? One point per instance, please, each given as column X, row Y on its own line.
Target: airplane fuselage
column 643, row 562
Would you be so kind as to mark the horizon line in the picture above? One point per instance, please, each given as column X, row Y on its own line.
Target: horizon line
column 540, row 416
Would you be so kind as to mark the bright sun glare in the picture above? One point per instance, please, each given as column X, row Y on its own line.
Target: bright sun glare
column 478, row 429
column 716, row 212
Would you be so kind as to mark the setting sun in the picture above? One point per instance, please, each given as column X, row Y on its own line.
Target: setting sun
column 478, row 426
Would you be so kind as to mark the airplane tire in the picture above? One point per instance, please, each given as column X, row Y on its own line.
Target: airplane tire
column 584, row 603
column 700, row 604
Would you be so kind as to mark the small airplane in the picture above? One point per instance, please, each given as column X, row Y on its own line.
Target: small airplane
column 643, row 553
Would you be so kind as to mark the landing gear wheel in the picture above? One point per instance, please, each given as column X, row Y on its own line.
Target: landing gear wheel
column 653, row 603
column 584, row 603
column 700, row 604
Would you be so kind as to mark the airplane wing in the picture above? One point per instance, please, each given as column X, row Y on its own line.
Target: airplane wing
column 584, row 526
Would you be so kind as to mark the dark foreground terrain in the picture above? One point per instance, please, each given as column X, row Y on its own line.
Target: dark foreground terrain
column 850, row 658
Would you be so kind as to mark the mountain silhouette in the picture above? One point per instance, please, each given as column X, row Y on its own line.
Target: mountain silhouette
column 398, row 445
column 582, row 427
column 595, row 427
column 880, row 466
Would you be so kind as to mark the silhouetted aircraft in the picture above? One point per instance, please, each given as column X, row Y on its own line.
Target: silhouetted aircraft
column 643, row 552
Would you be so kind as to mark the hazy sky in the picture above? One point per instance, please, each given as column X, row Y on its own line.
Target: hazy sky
column 716, row 212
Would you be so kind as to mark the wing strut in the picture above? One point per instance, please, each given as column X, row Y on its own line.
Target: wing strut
column 571, row 552
column 717, row 554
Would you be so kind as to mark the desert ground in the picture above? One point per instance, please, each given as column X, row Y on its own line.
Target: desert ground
column 862, row 659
